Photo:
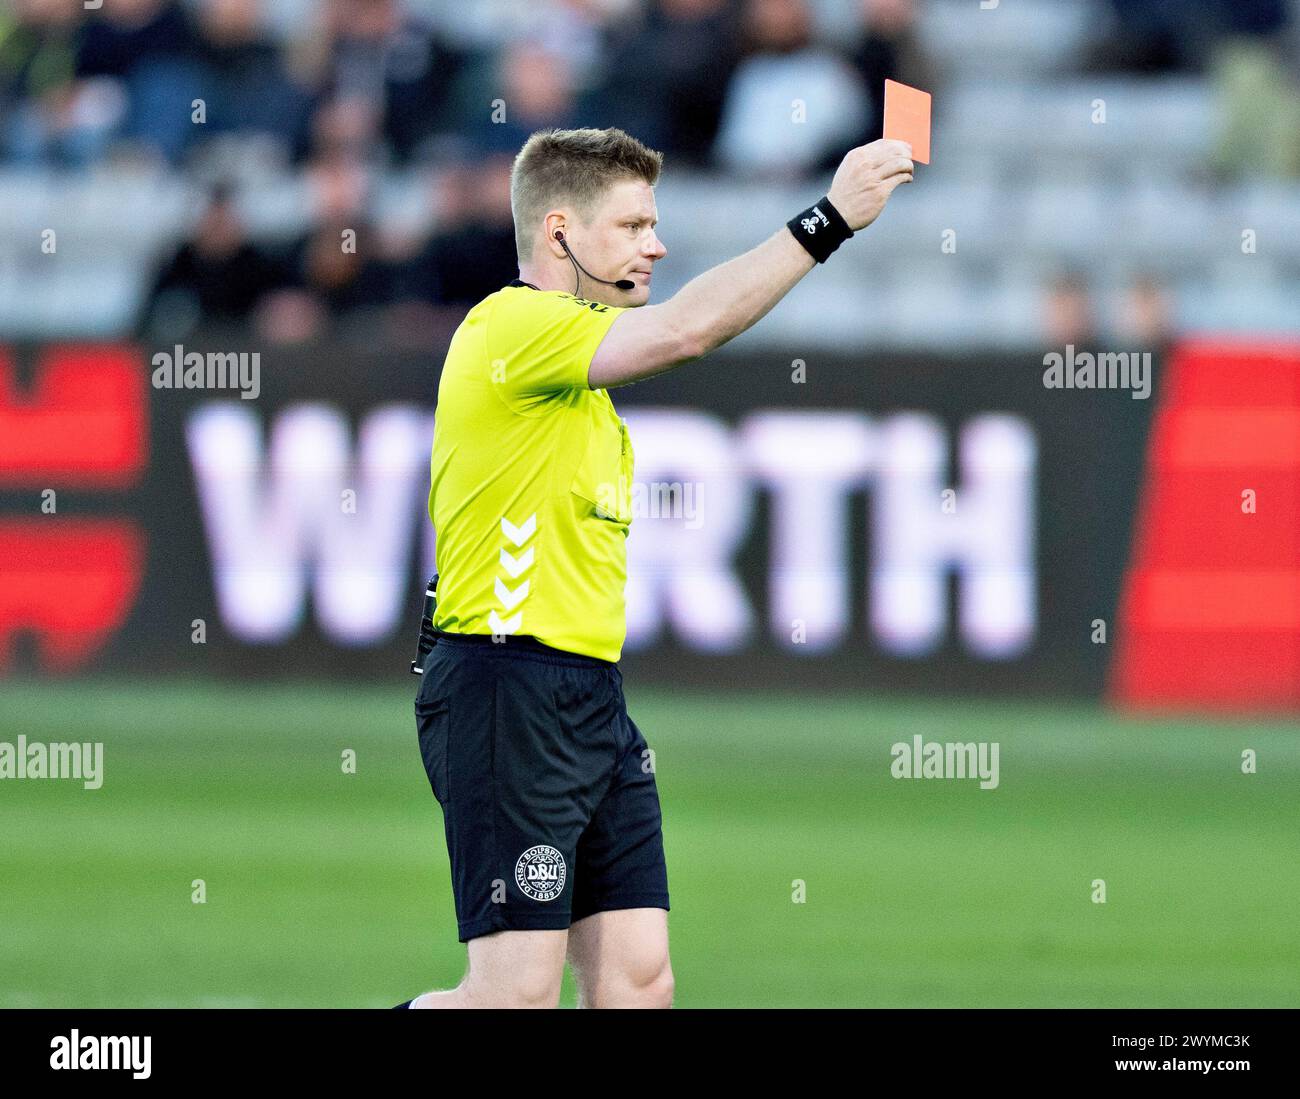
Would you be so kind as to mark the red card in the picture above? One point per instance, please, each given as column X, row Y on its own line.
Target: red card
column 907, row 118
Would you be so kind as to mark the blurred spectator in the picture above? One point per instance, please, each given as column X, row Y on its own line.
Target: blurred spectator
column 339, row 263
column 888, row 48
column 338, row 187
column 666, row 77
column 348, row 127
column 472, row 254
column 377, row 63
column 1243, row 46
column 151, row 47
column 216, row 275
column 578, row 29
column 1162, row 36
column 1259, row 97
column 1146, row 313
column 526, row 87
column 341, row 268
column 790, row 103
column 246, row 86
column 1068, row 311
column 42, row 117
column 1144, row 36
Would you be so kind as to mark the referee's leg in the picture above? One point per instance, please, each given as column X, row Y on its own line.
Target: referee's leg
column 618, row 941
column 620, row 958
column 507, row 969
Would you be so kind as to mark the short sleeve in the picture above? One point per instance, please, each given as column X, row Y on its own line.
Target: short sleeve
column 540, row 343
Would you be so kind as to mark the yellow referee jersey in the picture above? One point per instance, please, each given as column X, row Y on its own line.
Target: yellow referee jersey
column 531, row 476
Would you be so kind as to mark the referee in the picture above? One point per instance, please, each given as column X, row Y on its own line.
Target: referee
column 545, row 782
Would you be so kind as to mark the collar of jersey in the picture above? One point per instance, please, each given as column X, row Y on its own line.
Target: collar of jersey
column 520, row 282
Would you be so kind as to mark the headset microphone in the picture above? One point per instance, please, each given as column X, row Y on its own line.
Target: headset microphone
column 621, row 284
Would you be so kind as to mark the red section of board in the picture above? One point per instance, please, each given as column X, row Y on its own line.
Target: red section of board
column 70, row 582
column 83, row 425
column 1210, row 612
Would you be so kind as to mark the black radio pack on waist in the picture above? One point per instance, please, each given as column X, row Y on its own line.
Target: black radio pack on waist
column 427, row 636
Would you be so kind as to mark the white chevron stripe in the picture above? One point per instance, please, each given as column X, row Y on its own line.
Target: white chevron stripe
column 519, row 535
column 514, row 566
column 508, row 626
column 511, row 599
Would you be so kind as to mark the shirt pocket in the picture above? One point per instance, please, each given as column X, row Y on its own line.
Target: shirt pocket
column 604, row 476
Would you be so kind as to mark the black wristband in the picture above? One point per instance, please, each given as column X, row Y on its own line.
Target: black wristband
column 820, row 229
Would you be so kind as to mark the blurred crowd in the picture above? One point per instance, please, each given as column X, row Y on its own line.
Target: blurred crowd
column 372, row 78
column 365, row 87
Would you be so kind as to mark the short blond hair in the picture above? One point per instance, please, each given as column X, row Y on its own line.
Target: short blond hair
column 573, row 166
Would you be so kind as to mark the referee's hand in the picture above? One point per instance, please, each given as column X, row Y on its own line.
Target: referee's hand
column 867, row 177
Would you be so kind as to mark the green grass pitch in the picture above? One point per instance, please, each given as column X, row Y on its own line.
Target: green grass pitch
column 327, row 889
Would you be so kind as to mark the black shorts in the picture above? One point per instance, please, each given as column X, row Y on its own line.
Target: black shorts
column 546, row 785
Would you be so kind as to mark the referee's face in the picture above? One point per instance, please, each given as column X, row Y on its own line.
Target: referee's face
column 621, row 242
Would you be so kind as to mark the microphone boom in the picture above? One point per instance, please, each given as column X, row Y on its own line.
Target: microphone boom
column 621, row 284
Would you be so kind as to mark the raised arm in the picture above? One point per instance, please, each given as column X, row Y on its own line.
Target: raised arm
column 727, row 299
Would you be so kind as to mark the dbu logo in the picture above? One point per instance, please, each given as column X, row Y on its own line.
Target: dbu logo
column 540, row 873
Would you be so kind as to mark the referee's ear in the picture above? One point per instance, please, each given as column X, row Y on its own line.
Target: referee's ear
column 555, row 229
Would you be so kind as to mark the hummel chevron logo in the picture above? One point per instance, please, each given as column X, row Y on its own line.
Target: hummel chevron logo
column 519, row 535
column 511, row 599
column 507, row 626
column 514, row 566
